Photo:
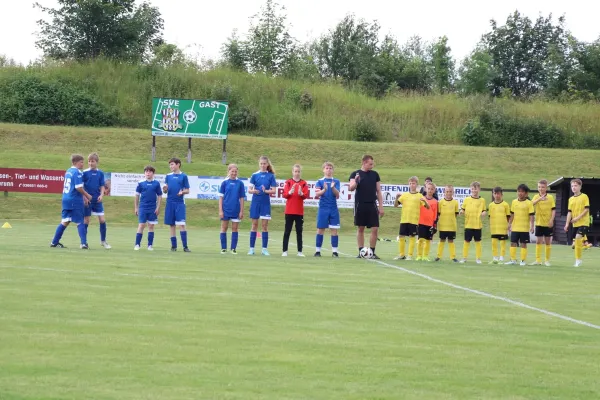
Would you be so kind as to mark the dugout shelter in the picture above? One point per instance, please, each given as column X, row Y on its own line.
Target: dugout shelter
column 562, row 191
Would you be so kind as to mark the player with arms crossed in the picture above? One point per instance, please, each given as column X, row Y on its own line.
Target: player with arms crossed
column 262, row 186
column 499, row 212
column 74, row 199
column 368, row 202
column 545, row 212
column 520, row 224
column 231, row 207
column 447, row 210
column 409, row 221
column 148, row 197
column 579, row 209
column 473, row 208
column 94, row 184
column 327, row 190
column 176, row 187
column 295, row 190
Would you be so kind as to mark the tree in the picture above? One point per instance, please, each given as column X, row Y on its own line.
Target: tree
column 84, row 29
column 520, row 50
column 476, row 73
column 234, row 52
column 586, row 77
column 442, row 65
column 269, row 44
column 168, row 54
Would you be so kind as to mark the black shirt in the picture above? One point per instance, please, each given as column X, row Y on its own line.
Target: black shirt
column 366, row 188
column 435, row 195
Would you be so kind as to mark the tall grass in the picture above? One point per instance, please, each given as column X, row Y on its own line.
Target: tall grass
column 335, row 112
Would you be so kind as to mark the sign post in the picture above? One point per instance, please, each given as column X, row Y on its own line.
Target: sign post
column 202, row 119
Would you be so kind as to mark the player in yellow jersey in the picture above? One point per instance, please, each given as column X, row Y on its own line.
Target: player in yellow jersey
column 409, row 222
column 579, row 209
column 473, row 208
column 520, row 224
column 447, row 210
column 499, row 212
column 545, row 211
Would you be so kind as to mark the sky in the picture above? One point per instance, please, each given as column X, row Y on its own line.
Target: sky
column 201, row 27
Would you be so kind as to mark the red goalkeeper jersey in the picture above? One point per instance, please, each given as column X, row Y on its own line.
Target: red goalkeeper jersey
column 295, row 203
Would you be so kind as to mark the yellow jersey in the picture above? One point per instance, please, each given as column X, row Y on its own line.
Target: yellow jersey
column 499, row 214
column 577, row 204
column 522, row 210
column 411, row 207
column 473, row 207
column 543, row 210
column 447, row 210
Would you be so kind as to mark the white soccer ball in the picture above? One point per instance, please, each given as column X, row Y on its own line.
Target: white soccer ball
column 366, row 252
column 190, row 116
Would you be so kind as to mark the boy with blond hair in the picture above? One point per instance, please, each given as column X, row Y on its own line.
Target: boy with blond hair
column 94, row 184
column 447, row 212
column 545, row 211
column 579, row 209
column 409, row 221
column 473, row 208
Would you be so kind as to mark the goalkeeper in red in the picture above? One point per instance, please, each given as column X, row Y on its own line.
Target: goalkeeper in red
column 427, row 223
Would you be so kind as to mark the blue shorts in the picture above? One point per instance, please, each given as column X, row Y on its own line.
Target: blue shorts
column 95, row 209
column 229, row 216
column 328, row 218
column 175, row 214
column 147, row 216
column 260, row 209
column 75, row 215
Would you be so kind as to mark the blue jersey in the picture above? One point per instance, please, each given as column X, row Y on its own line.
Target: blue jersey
column 259, row 179
column 148, row 190
column 176, row 182
column 328, row 200
column 93, row 181
column 71, row 198
column 232, row 190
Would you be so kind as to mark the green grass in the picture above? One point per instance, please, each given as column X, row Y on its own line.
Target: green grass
column 128, row 150
column 402, row 118
column 121, row 324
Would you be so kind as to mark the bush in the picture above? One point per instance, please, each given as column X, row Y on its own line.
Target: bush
column 306, row 100
column 497, row 130
column 223, row 91
column 366, row 130
column 26, row 99
column 243, row 118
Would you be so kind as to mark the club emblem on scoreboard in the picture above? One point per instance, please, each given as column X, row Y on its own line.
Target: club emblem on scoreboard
column 170, row 120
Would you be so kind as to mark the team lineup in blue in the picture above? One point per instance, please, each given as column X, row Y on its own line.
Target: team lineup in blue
column 423, row 215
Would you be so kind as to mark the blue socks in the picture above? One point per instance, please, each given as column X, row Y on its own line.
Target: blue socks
column 234, row 240
column 334, row 242
column 223, row 237
column 102, row 231
column 82, row 233
column 252, row 239
column 138, row 238
column 265, row 239
column 319, row 242
column 183, row 235
column 60, row 229
column 174, row 241
column 86, row 228
column 150, row 238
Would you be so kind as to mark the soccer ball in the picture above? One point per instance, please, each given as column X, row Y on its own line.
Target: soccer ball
column 366, row 252
column 189, row 116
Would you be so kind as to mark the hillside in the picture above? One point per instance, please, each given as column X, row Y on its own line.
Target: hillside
column 126, row 90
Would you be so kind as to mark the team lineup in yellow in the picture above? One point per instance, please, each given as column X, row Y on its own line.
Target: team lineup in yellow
column 423, row 216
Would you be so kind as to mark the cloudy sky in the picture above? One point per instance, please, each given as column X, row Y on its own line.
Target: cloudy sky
column 202, row 26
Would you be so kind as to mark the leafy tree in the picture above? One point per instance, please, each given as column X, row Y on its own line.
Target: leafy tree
column 269, row 44
column 83, row 29
column 442, row 65
column 167, row 54
column 476, row 73
column 234, row 52
column 586, row 77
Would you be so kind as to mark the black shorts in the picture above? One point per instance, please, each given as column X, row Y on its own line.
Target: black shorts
column 472, row 234
column 580, row 230
column 447, row 235
column 544, row 231
column 519, row 237
column 408, row 230
column 424, row 232
column 366, row 214
column 500, row 237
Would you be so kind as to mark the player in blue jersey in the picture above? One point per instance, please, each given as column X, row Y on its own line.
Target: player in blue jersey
column 262, row 186
column 94, row 184
column 327, row 190
column 148, row 197
column 74, row 198
column 231, row 207
column 176, row 186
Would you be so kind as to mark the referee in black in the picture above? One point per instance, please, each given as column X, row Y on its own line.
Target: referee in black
column 368, row 202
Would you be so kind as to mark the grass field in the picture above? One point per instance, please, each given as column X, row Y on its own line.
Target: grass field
column 121, row 324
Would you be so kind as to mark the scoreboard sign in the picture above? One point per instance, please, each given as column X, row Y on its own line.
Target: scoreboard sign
column 202, row 119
